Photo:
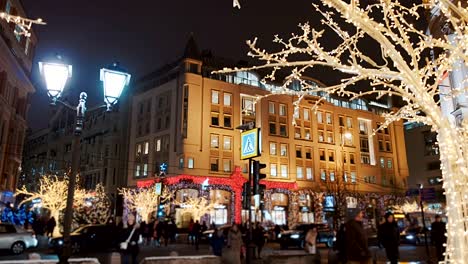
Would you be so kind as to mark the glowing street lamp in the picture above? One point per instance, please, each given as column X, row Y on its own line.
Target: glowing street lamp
column 56, row 75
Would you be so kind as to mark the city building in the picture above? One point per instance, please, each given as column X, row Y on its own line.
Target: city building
column 16, row 53
column 183, row 133
column 48, row 151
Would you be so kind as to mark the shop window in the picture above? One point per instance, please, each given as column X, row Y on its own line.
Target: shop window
column 284, row 171
column 272, row 127
column 227, row 99
column 214, row 141
column 284, row 150
column 227, row 143
column 273, row 149
column 227, row 121
column 273, row 170
column 214, row 164
column 214, row 97
column 309, row 174
column 283, row 130
column 214, row 119
column 299, row 173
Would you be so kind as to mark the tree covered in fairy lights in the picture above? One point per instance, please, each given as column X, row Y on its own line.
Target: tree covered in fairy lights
column 144, row 201
column 402, row 69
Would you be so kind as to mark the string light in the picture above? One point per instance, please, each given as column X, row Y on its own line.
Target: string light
column 402, row 70
column 23, row 24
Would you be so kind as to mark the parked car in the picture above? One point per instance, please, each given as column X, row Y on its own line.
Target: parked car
column 88, row 238
column 206, row 235
column 16, row 239
column 296, row 236
column 414, row 236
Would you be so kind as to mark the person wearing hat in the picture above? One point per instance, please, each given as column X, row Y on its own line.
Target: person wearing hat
column 389, row 238
column 357, row 249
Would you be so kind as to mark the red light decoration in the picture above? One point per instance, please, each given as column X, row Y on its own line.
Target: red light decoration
column 279, row 185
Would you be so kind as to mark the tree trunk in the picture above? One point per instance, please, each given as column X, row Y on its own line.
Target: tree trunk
column 454, row 165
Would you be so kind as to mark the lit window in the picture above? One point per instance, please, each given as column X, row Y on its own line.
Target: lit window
column 389, row 163
column 214, row 97
column 307, row 133
column 319, row 117
column 382, row 162
column 226, row 165
column 297, row 132
column 332, row 176
column 284, row 171
column 329, row 119
column 145, row 169
column 146, row 148
column 299, row 173
column 17, row 35
column 309, row 174
column 306, row 114
column 190, row 163
column 181, row 163
column 8, row 7
column 349, row 122
column 272, row 149
column 284, row 150
column 273, row 171
column 282, row 110
column 271, row 108
column 227, row 99
column 158, row 145
column 138, row 149
column 353, row 177
column 227, row 143
column 323, row 175
column 248, row 104
column 137, row 170
column 330, row 137
column 214, row 141
column 321, row 136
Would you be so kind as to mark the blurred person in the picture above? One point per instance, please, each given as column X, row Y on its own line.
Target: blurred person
column 130, row 234
column 51, row 226
column 389, row 238
column 357, row 250
column 196, row 231
column 217, row 242
column 233, row 254
column 259, row 238
column 438, row 230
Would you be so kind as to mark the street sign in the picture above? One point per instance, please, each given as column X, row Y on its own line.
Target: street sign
column 428, row 194
column 250, row 144
column 158, row 188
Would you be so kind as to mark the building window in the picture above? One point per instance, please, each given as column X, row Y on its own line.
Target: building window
column 158, row 145
column 331, row 155
column 215, row 119
column 227, row 121
column 353, row 177
column 137, row 170
column 382, row 162
column 272, row 129
column 190, row 163
column 365, row 159
column 227, row 143
column 299, row 173
column 323, row 175
column 306, row 114
column 341, row 121
column 381, row 146
column 349, row 122
column 321, row 136
column 363, row 127
column 329, row 119
column 319, row 117
column 8, row 8
column 307, row 134
column 298, row 152
column 181, row 163
column 227, row 165
column 284, row 171
column 273, row 170
column 214, row 141
column 388, row 146
column 214, row 97
column 282, row 110
column 271, row 108
column 364, row 144
column 146, row 148
column 138, row 149
column 309, row 174
column 145, row 170
column 248, row 105
column 272, row 149
column 214, row 164
column 26, row 47
column 332, row 176
column 322, row 154
column 297, row 132
column 227, row 99
column 351, row 158
column 330, row 137
column 389, row 163
column 283, row 130
column 284, row 150
column 308, row 153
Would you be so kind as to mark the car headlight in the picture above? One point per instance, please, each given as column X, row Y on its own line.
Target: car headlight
column 295, row 236
column 334, row 239
column 210, row 235
column 60, row 242
column 410, row 237
column 279, row 235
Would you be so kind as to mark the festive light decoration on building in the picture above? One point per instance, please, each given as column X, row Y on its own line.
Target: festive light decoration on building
column 236, row 3
column 53, row 193
column 197, row 207
column 144, row 201
column 403, row 70
column 94, row 208
column 23, row 25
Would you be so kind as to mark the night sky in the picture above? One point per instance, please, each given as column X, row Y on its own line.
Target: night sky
column 143, row 35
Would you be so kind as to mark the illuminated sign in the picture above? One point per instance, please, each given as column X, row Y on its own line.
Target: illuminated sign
column 250, row 143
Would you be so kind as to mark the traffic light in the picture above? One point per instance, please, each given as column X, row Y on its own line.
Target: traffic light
column 257, row 176
column 245, row 196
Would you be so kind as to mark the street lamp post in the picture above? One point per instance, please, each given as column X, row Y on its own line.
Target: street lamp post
column 56, row 75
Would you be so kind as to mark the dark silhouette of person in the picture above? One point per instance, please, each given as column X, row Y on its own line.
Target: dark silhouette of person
column 51, row 226
column 438, row 238
column 340, row 244
column 259, row 239
column 130, row 254
column 357, row 250
column 389, row 237
column 196, row 233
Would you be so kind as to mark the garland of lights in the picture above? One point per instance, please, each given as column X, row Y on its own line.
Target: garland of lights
column 403, row 71
column 23, row 24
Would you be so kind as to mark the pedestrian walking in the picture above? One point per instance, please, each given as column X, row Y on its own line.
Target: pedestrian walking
column 196, row 231
column 172, row 231
column 129, row 237
column 233, row 253
column 259, row 239
column 389, row 238
column 190, row 230
column 340, row 245
column 217, row 242
column 357, row 251
column 165, row 232
column 438, row 238
column 51, row 226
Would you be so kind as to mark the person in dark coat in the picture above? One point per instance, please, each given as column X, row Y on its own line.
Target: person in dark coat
column 357, row 250
column 130, row 254
column 217, row 242
column 172, row 231
column 340, row 244
column 51, row 226
column 196, row 233
column 438, row 238
column 389, row 238
column 259, row 239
